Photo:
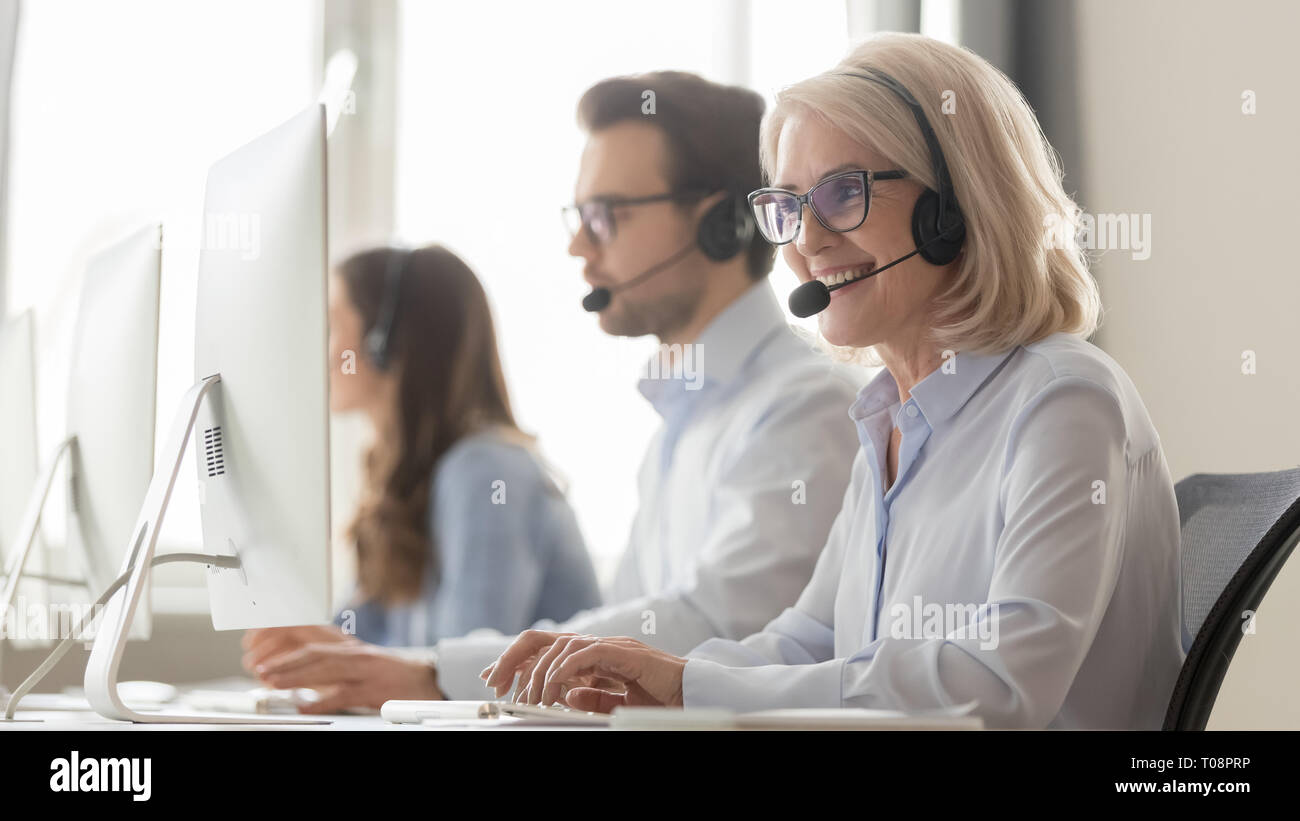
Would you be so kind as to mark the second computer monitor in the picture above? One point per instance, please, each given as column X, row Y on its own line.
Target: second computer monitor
column 262, row 438
column 111, row 406
column 17, row 424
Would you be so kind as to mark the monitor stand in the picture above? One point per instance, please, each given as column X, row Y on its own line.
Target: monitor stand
column 27, row 530
column 15, row 570
column 115, row 623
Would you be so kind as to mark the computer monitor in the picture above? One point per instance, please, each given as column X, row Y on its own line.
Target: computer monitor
column 112, row 391
column 109, row 439
column 17, row 424
column 258, row 412
column 19, row 472
column 263, row 436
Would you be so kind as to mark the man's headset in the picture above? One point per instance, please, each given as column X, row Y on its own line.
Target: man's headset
column 725, row 230
column 379, row 339
column 938, row 227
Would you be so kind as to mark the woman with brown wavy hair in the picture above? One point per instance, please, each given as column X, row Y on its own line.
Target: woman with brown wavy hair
column 459, row 526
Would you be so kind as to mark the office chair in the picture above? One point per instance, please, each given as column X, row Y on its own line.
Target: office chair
column 1237, row 532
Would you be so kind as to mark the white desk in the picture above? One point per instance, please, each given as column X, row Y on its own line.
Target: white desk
column 38, row 721
column 72, row 713
column 88, row 722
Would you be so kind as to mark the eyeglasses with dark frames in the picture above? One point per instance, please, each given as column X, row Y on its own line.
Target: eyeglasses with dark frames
column 840, row 203
column 596, row 216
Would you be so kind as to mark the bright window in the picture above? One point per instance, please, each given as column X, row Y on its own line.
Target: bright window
column 118, row 111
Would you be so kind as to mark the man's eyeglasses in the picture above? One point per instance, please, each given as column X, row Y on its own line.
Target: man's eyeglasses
column 840, row 203
column 596, row 217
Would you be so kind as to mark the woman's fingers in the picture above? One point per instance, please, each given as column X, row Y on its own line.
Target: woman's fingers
column 609, row 684
column 522, row 673
column 532, row 675
column 524, row 646
column 578, row 667
column 260, row 648
column 262, row 644
column 537, row 678
column 650, row 676
column 308, row 667
column 594, row 699
column 332, row 700
column 549, row 665
column 501, row 674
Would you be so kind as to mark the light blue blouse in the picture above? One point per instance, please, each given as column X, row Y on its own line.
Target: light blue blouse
column 508, row 551
column 1025, row 558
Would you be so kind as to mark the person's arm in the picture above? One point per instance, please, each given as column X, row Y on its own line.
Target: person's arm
column 1056, row 564
column 804, row 633
column 491, row 569
column 765, row 535
column 755, row 559
column 800, row 635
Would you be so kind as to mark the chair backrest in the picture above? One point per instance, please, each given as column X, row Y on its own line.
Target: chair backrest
column 1237, row 532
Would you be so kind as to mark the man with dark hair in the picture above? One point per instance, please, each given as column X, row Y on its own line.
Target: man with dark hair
column 740, row 485
column 707, row 128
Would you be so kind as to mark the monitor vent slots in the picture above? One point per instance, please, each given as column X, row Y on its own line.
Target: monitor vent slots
column 213, row 450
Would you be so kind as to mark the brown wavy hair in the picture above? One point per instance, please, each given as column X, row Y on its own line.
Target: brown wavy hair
column 443, row 351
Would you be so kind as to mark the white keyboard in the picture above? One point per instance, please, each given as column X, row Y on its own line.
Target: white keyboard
column 554, row 714
column 417, row 712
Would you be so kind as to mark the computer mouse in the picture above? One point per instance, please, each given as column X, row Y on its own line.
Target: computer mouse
column 147, row 692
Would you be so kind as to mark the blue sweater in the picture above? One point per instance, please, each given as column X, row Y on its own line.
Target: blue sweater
column 508, row 550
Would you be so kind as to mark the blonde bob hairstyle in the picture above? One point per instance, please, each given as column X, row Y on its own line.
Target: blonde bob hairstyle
column 1016, row 281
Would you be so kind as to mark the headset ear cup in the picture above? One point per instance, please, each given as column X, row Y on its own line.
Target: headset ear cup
column 723, row 230
column 377, row 349
column 379, row 339
column 925, row 227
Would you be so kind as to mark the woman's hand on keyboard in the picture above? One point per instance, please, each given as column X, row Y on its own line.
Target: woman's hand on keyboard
column 587, row 672
column 266, row 643
column 351, row 674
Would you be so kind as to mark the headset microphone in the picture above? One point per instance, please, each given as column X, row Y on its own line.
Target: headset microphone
column 813, row 296
column 598, row 299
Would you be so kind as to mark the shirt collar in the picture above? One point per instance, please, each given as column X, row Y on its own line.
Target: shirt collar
column 723, row 348
column 940, row 394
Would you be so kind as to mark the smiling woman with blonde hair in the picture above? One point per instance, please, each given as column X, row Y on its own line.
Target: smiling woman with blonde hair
column 1010, row 536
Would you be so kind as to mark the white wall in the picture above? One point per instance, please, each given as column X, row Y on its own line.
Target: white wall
column 1165, row 135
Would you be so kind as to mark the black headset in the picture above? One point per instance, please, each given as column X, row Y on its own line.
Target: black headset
column 726, row 228
column 938, row 226
column 379, row 339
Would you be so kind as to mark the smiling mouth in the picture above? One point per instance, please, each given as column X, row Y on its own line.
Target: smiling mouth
column 839, row 279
